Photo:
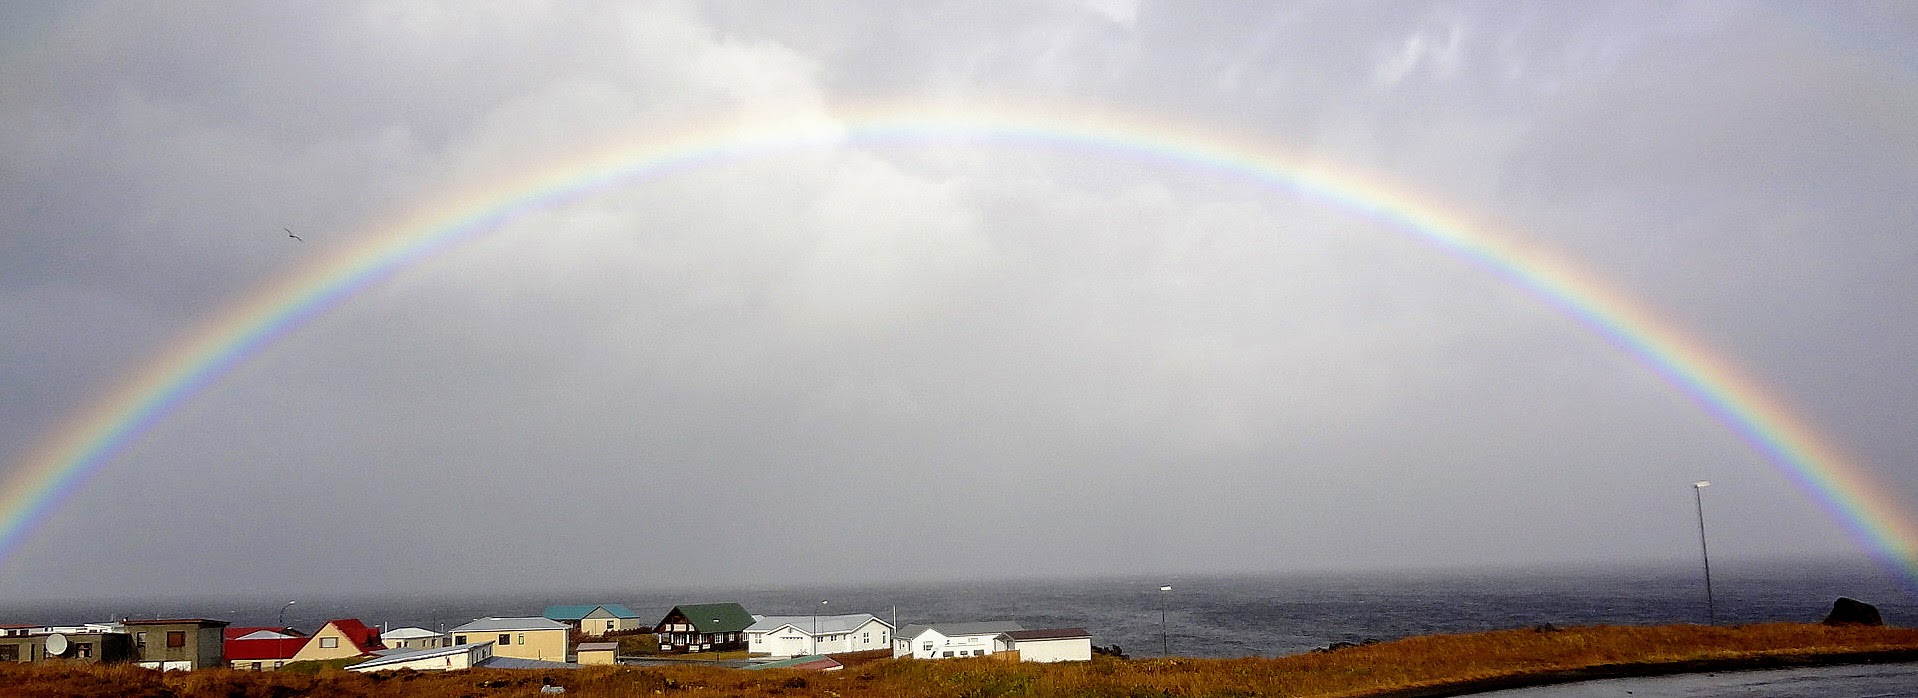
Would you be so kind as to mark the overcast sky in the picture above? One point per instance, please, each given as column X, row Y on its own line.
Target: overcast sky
column 927, row 361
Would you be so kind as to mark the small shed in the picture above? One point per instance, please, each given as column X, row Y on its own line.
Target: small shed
column 598, row 653
column 1052, row 645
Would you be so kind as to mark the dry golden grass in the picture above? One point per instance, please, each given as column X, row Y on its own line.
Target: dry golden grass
column 1357, row 671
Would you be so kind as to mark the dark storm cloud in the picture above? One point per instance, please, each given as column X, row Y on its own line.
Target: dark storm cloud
column 903, row 363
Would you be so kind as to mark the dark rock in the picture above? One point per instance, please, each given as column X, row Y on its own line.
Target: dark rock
column 1849, row 611
column 1544, row 628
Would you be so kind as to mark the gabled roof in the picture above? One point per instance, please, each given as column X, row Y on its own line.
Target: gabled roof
column 843, row 623
column 580, row 611
column 241, row 632
column 408, row 634
column 272, row 649
column 991, row 627
column 713, row 617
column 1049, row 634
column 492, row 625
column 364, row 639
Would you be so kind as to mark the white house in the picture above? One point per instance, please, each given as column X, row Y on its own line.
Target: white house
column 440, row 659
column 1053, row 645
column 794, row 636
column 953, row 640
column 415, row 638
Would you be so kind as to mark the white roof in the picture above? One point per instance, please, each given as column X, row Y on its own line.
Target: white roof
column 267, row 635
column 487, row 625
column 960, row 629
column 844, row 623
column 408, row 634
column 410, row 655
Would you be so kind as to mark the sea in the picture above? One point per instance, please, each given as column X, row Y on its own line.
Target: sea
column 1236, row 615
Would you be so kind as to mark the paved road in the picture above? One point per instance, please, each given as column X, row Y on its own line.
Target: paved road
column 1858, row 681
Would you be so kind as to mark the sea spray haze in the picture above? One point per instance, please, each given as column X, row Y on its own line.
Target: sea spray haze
column 1207, row 616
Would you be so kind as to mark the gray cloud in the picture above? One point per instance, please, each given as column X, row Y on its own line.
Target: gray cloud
column 899, row 362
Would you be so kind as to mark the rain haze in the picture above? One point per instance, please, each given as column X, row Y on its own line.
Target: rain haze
column 927, row 357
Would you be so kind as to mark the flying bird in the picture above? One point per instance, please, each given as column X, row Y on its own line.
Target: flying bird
column 289, row 233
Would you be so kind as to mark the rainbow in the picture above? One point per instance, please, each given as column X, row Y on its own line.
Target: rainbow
column 51, row 472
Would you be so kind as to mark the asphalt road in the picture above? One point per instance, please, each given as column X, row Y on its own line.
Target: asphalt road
column 1855, row 681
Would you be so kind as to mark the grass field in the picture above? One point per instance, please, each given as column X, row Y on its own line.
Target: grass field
column 1412, row 663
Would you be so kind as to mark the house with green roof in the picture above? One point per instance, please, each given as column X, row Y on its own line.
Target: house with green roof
column 704, row 627
column 595, row 620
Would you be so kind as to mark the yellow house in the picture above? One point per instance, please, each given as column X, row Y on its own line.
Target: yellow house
column 522, row 638
column 339, row 639
column 596, row 620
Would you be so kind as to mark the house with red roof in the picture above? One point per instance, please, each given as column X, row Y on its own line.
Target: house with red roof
column 263, row 654
column 339, row 639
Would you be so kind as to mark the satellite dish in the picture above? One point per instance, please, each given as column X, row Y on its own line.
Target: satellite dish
column 57, row 644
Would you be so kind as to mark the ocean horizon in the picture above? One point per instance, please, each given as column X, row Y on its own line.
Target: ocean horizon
column 1221, row 615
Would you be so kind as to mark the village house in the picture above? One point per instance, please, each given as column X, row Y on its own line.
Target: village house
column 523, row 638
column 262, row 649
column 35, row 644
column 597, row 653
column 340, row 639
column 946, row 640
column 595, row 620
column 179, row 643
column 704, row 627
column 794, row 636
column 414, row 638
column 436, row 659
column 1051, row 645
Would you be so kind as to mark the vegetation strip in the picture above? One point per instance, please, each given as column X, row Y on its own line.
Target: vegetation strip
column 1637, row 670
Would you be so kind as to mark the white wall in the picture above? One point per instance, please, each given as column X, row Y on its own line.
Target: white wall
column 1077, row 649
column 980, row 645
column 793, row 641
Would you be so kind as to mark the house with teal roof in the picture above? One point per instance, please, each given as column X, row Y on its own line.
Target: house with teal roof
column 595, row 619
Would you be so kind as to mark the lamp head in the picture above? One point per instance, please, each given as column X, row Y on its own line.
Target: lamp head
column 1702, row 483
column 1167, row 587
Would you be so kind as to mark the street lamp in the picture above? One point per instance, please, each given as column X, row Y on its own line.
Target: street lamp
column 815, row 627
column 279, row 646
column 1698, row 497
column 1165, row 640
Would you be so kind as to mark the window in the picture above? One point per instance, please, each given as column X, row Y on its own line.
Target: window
column 505, row 638
column 522, row 638
column 279, row 664
column 140, row 638
column 9, row 653
column 256, row 666
column 176, row 638
column 928, row 645
column 609, row 626
column 329, row 642
column 947, row 653
column 83, row 649
column 459, row 639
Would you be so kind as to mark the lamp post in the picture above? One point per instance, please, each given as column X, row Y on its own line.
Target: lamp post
column 815, row 627
column 279, row 646
column 1698, row 498
column 1165, row 640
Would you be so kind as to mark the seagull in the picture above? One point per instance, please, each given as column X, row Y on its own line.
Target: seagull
column 289, row 233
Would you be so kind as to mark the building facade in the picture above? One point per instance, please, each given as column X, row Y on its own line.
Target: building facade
column 948, row 640
column 1052, row 645
column 794, row 636
column 179, row 643
column 596, row 620
column 704, row 627
column 521, row 638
